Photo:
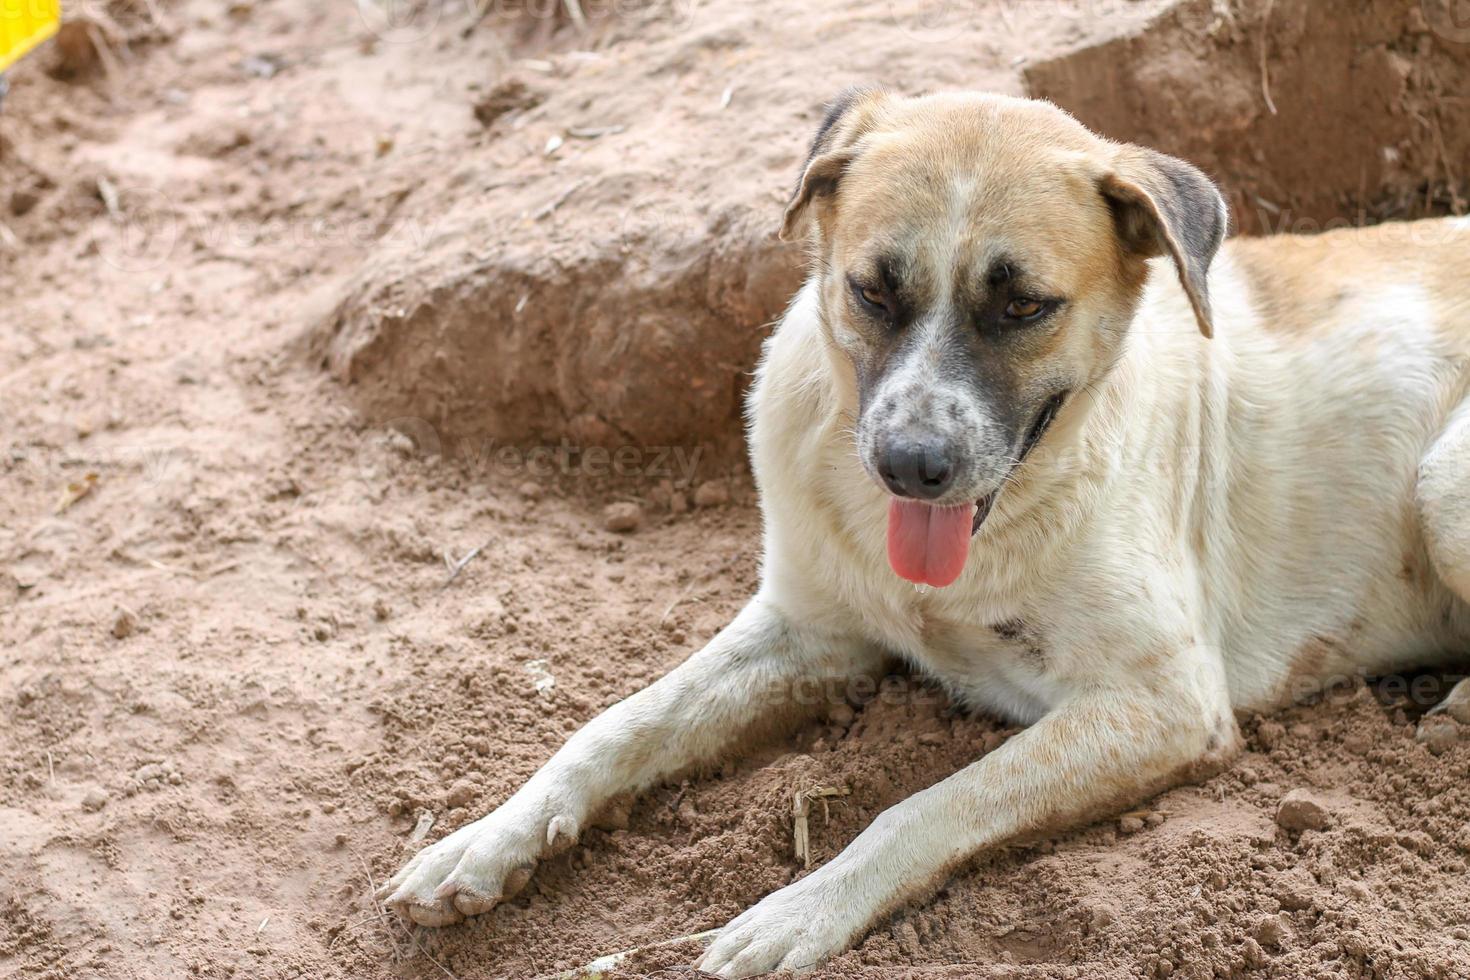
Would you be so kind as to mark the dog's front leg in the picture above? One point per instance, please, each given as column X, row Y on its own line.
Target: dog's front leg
column 761, row 670
column 1107, row 746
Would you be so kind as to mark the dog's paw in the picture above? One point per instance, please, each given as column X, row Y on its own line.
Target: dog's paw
column 792, row 929
column 474, row 868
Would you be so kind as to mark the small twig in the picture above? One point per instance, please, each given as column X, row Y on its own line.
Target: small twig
column 455, row 567
column 155, row 563
column 382, row 911
column 677, row 600
column 422, row 826
column 1265, row 71
column 365, row 921
column 50, row 768
column 103, row 32
column 107, row 190
column 594, row 132
column 1457, row 203
column 547, row 209
column 801, row 806
column 574, row 10
column 424, row 953
column 262, row 924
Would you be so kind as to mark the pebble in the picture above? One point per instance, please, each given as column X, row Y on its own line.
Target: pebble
column 462, row 793
column 622, row 517
column 1130, row 825
column 616, row 816
column 531, row 490
column 1300, row 811
column 1271, row 932
column 711, row 493
column 22, row 201
column 1294, row 897
column 156, row 775
column 1438, row 733
column 94, row 800
column 1270, row 733
column 125, row 624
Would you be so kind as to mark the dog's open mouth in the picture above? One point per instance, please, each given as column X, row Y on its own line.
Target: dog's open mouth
column 929, row 544
column 1044, row 419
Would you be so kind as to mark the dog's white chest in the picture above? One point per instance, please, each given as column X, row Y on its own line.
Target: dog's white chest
column 1002, row 663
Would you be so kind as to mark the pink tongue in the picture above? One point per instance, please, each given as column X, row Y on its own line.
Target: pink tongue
column 928, row 544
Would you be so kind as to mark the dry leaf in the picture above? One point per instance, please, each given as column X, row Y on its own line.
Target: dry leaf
column 76, row 491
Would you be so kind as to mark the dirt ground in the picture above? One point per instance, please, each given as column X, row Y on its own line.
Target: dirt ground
column 239, row 682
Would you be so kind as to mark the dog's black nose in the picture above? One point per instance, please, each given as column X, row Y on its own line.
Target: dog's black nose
column 918, row 468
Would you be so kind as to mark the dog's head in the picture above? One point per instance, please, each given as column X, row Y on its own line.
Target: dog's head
column 980, row 260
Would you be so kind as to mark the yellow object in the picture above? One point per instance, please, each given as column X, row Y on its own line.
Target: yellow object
column 25, row 24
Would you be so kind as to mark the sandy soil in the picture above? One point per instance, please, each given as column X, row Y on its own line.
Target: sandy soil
column 238, row 685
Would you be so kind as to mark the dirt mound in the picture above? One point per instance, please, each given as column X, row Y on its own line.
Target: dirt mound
column 1312, row 114
column 636, row 331
column 599, row 263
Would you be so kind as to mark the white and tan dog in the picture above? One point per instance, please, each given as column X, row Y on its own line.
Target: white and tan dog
column 999, row 381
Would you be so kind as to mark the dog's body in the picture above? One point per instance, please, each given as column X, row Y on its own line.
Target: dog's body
column 1170, row 529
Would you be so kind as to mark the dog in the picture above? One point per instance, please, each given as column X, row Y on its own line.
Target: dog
column 1034, row 427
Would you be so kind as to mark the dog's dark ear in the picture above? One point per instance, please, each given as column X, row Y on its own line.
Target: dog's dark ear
column 832, row 150
column 1164, row 206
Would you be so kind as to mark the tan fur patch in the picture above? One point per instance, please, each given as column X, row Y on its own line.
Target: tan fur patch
column 1298, row 282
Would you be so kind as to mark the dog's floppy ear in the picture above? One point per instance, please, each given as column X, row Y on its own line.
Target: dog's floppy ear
column 832, row 150
column 1164, row 206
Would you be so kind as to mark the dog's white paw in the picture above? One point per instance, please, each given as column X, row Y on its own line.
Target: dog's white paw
column 792, row 929
column 476, row 867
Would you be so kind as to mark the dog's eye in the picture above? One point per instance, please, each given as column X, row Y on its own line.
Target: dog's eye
column 1025, row 309
column 872, row 297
